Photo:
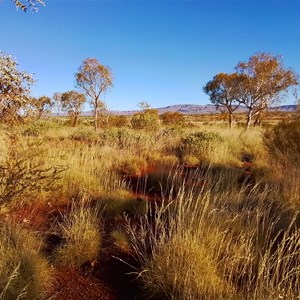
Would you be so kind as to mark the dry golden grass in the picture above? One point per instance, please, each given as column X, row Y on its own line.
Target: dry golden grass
column 24, row 273
column 82, row 237
column 220, row 232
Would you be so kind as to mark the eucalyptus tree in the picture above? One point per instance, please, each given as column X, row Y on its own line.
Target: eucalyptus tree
column 41, row 106
column 15, row 87
column 72, row 102
column 94, row 79
column 263, row 82
column 260, row 82
column 223, row 92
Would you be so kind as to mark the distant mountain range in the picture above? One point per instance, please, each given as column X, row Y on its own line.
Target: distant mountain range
column 193, row 109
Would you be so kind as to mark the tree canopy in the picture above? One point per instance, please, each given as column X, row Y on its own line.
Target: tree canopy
column 223, row 92
column 14, row 88
column 257, row 84
column 40, row 106
column 72, row 102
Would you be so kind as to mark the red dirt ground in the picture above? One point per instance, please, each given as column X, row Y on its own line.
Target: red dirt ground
column 70, row 284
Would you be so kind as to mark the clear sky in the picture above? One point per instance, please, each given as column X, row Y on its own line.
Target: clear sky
column 161, row 51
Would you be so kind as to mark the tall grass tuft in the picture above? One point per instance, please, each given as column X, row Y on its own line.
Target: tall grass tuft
column 218, row 243
column 24, row 273
column 82, row 237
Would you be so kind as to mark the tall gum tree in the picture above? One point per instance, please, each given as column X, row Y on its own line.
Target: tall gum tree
column 263, row 82
column 94, row 79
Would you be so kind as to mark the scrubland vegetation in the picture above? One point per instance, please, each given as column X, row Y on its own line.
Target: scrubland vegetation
column 198, row 212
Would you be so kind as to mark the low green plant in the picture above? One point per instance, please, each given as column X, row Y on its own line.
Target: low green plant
column 120, row 138
column 198, row 144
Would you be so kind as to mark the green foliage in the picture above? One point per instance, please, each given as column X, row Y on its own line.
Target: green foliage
column 283, row 142
column 121, row 138
column 24, row 273
column 24, row 173
column 148, row 120
column 197, row 144
column 172, row 119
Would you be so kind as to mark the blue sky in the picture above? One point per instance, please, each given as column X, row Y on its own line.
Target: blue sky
column 161, row 51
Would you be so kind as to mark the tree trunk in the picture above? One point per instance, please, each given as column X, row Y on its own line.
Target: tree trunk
column 257, row 121
column 230, row 119
column 40, row 113
column 249, row 118
column 96, row 118
column 75, row 118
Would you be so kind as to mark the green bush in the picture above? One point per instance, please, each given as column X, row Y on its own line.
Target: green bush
column 120, row 138
column 148, row 120
column 197, row 144
column 39, row 128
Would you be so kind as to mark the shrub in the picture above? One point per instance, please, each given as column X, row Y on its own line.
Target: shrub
column 148, row 120
column 82, row 238
column 24, row 173
column 118, row 121
column 86, row 135
column 24, row 273
column 120, row 239
column 120, row 138
column 197, row 144
column 172, row 118
column 283, row 142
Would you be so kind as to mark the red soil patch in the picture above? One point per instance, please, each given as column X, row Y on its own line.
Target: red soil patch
column 38, row 216
column 70, row 284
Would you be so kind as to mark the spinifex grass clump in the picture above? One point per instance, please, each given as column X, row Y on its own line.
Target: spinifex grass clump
column 220, row 242
column 82, row 237
column 24, row 273
column 283, row 142
column 283, row 145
